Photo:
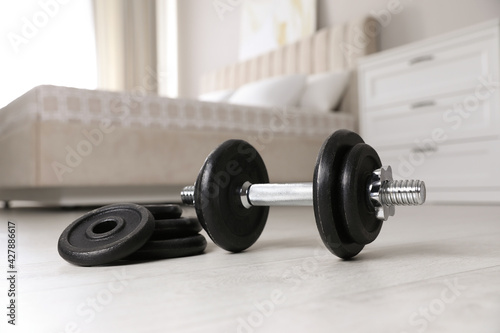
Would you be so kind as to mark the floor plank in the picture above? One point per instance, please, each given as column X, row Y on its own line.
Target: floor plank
column 432, row 269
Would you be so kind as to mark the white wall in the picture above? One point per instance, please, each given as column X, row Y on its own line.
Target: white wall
column 208, row 42
column 417, row 19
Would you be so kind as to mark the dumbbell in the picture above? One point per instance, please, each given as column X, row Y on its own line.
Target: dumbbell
column 352, row 194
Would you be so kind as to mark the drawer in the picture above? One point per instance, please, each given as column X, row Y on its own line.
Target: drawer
column 453, row 166
column 458, row 117
column 430, row 71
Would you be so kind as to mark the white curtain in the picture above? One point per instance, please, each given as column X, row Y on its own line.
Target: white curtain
column 126, row 45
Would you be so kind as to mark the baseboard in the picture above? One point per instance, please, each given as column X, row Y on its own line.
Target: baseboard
column 75, row 196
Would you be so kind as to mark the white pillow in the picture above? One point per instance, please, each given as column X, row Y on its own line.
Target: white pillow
column 276, row 91
column 216, row 96
column 323, row 91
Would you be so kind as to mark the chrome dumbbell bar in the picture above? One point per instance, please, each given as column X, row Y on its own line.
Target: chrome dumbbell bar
column 383, row 191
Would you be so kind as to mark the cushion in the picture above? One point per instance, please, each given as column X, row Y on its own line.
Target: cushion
column 216, row 96
column 323, row 91
column 276, row 91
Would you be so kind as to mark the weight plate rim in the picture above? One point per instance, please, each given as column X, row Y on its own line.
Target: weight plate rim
column 352, row 208
column 329, row 169
column 176, row 211
column 164, row 249
column 188, row 223
column 176, row 228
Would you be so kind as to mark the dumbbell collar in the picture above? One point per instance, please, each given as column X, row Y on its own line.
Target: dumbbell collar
column 378, row 179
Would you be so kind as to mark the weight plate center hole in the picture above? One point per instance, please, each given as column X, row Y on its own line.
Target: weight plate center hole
column 105, row 227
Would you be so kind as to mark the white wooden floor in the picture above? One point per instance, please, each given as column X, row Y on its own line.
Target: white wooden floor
column 432, row 269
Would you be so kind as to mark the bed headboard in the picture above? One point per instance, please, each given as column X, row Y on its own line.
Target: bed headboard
column 328, row 49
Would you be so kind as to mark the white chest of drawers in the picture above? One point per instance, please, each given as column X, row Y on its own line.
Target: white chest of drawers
column 432, row 111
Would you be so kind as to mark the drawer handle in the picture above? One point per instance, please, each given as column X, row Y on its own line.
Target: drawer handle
column 420, row 59
column 422, row 104
column 424, row 149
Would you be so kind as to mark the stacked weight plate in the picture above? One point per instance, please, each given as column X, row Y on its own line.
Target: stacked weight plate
column 130, row 232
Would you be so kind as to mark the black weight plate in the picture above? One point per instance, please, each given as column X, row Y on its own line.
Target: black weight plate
column 201, row 220
column 163, row 212
column 106, row 234
column 176, row 228
column 359, row 214
column 327, row 193
column 217, row 202
column 171, row 248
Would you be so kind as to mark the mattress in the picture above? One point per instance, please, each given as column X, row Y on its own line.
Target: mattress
column 58, row 138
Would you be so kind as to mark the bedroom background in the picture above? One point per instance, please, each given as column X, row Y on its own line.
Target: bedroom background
column 74, row 64
column 167, row 48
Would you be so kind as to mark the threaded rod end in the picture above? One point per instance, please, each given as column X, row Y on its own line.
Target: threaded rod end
column 187, row 195
column 402, row 192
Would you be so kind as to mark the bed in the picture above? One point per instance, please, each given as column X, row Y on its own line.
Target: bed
column 70, row 146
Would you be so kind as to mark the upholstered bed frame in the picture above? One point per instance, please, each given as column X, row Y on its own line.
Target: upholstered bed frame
column 329, row 49
column 71, row 146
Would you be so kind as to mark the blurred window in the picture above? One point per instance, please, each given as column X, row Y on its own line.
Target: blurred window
column 46, row 42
